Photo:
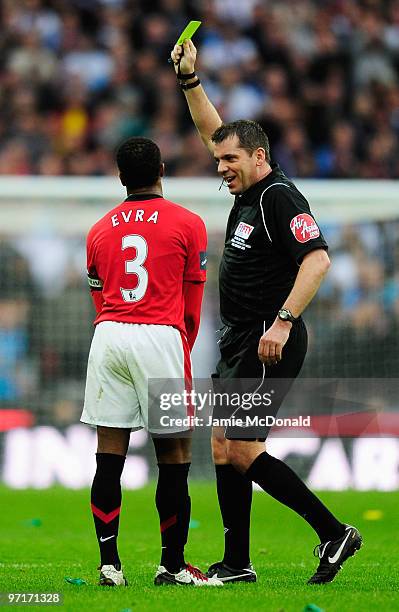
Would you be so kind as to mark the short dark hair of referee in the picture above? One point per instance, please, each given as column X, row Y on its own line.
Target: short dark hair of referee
column 250, row 135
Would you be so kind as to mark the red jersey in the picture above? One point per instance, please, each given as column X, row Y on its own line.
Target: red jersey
column 139, row 254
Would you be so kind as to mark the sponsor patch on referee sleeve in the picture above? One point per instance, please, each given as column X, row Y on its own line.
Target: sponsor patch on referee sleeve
column 203, row 260
column 304, row 227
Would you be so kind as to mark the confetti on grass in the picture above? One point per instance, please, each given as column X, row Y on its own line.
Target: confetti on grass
column 35, row 522
column 77, row 581
column 373, row 515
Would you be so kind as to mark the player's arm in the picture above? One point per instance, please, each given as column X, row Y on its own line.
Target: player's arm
column 193, row 293
column 203, row 113
column 96, row 288
column 98, row 300
column 312, row 270
column 95, row 283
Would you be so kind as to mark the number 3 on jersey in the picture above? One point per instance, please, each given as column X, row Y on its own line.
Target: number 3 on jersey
column 135, row 266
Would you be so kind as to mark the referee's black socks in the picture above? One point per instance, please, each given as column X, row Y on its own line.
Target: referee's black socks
column 235, row 497
column 174, row 506
column 277, row 479
column 106, row 500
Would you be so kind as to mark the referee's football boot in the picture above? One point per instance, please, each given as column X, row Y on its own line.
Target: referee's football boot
column 225, row 573
column 187, row 576
column 111, row 576
column 333, row 554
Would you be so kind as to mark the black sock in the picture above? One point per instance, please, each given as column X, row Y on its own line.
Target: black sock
column 277, row 479
column 235, row 499
column 174, row 507
column 106, row 499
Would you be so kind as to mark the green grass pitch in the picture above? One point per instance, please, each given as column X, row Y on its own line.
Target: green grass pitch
column 48, row 535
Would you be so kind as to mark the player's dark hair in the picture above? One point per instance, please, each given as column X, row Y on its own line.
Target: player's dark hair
column 139, row 162
column 250, row 134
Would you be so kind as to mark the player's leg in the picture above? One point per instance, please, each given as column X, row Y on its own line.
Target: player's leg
column 111, row 404
column 174, row 506
column 106, row 498
column 234, row 492
column 160, row 352
column 278, row 479
column 273, row 475
column 281, row 482
column 172, row 498
column 340, row 541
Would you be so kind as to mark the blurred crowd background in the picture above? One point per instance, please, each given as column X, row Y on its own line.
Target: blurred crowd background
column 79, row 76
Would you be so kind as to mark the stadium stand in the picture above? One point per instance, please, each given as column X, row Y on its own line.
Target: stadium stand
column 78, row 76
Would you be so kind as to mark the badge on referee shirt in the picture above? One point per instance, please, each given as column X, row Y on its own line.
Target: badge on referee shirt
column 304, row 227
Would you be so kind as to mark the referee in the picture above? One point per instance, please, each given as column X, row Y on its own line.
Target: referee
column 273, row 263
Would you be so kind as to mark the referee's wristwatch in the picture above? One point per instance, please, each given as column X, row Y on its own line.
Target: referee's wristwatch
column 286, row 315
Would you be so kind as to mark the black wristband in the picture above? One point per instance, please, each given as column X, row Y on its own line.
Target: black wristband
column 186, row 86
column 185, row 77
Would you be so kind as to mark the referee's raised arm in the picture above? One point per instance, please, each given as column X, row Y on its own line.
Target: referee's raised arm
column 204, row 114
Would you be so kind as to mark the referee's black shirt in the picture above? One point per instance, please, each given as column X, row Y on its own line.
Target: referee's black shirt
column 270, row 229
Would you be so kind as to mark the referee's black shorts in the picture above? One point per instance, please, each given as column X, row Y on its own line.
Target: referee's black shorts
column 244, row 386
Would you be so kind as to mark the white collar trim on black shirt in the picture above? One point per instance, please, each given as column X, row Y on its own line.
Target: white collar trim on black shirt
column 261, row 207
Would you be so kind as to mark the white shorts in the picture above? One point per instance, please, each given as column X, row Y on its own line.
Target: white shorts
column 122, row 358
